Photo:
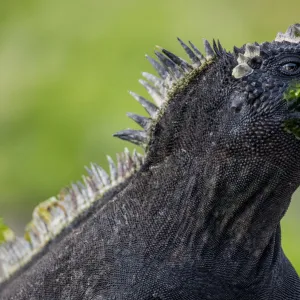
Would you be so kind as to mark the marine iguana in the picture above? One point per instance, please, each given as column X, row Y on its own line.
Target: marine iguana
column 196, row 217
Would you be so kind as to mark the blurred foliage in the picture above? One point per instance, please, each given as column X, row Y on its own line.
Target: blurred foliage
column 6, row 234
column 65, row 67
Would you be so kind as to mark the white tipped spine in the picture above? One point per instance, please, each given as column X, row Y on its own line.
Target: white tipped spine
column 158, row 99
column 157, row 82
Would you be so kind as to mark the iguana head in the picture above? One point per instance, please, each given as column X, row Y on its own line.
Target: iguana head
column 232, row 121
column 265, row 102
column 244, row 104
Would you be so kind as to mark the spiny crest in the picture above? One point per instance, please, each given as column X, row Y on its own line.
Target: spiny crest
column 244, row 68
column 172, row 70
column 50, row 217
column 292, row 34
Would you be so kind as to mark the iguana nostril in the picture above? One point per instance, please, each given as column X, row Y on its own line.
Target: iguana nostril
column 255, row 62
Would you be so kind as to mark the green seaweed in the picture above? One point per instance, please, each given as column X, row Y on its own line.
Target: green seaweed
column 292, row 96
column 293, row 126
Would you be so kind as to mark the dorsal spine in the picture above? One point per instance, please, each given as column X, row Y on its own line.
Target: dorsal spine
column 53, row 215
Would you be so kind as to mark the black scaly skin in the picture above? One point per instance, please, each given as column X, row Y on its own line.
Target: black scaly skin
column 201, row 218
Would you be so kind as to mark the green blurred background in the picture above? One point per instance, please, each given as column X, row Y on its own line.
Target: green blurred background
column 66, row 66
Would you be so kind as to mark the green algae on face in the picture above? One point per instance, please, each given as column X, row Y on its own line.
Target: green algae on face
column 292, row 97
column 293, row 126
column 6, row 234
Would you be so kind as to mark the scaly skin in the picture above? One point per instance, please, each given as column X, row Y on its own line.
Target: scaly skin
column 201, row 218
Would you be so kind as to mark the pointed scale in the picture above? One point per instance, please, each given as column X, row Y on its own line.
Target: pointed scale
column 135, row 159
column 140, row 158
column 120, row 164
column 112, row 169
column 78, row 197
column 178, row 61
column 221, row 49
column 216, row 48
column 84, row 191
column 208, row 50
column 103, row 175
column 142, row 121
column 170, row 65
column 198, row 53
column 153, row 92
column 89, row 187
column 161, row 69
column 193, row 57
column 157, row 82
column 90, row 182
column 95, row 177
column 128, row 160
column 237, row 50
column 148, row 106
column 138, row 137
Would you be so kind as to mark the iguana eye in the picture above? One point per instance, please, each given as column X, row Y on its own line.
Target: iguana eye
column 291, row 68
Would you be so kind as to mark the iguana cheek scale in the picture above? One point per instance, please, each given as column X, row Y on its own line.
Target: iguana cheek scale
column 198, row 215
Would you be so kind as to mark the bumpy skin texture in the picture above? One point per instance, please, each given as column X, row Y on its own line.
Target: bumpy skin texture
column 201, row 218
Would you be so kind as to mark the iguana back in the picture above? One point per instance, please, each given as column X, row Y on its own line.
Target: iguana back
column 198, row 216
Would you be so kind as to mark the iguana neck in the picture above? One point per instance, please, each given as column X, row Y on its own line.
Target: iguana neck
column 226, row 214
column 234, row 204
column 243, row 203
